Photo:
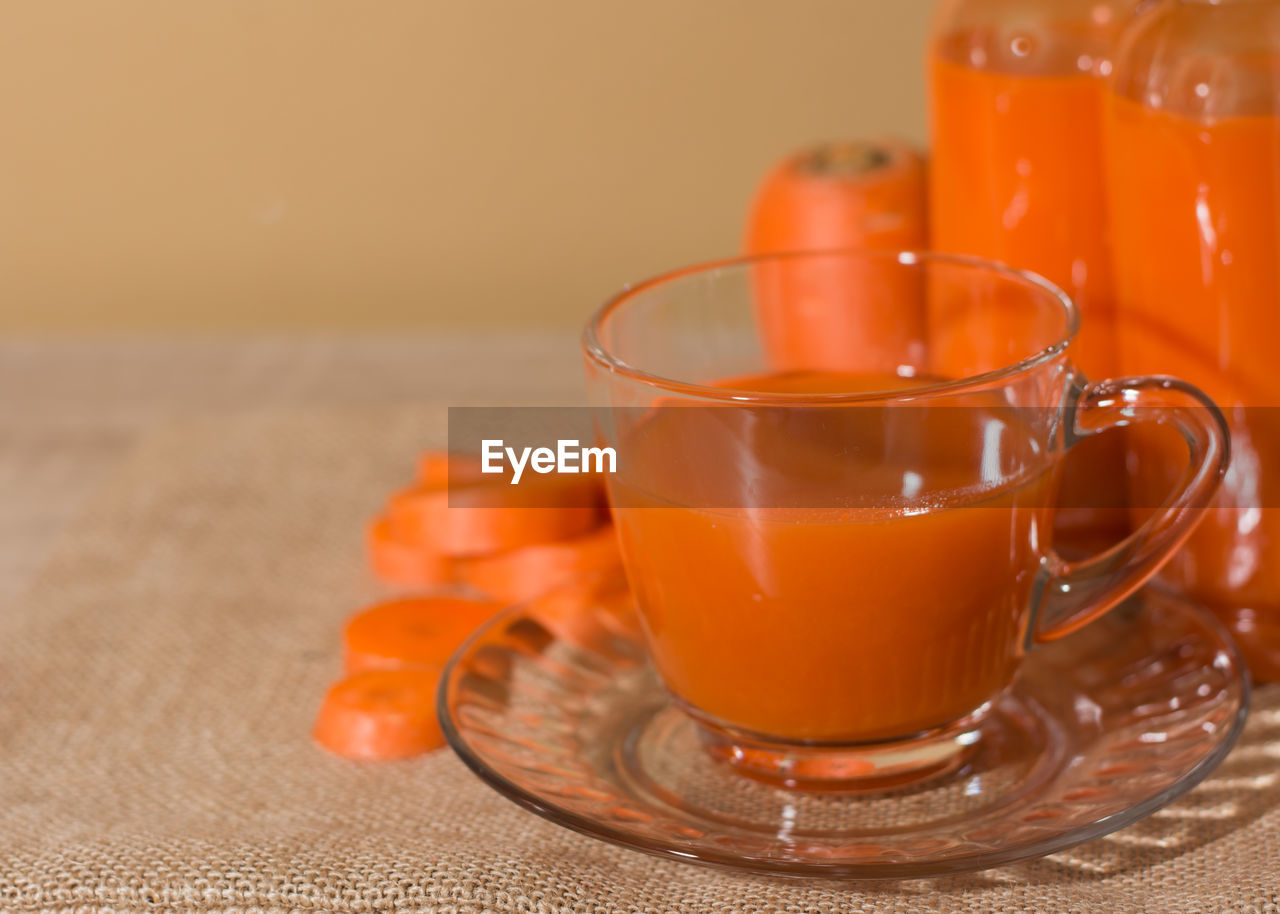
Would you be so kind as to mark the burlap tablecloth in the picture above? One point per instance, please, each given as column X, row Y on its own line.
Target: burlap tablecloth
column 158, row 680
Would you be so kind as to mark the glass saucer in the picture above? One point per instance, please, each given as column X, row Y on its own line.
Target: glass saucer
column 564, row 715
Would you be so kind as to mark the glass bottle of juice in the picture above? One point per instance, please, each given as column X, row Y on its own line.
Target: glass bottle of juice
column 1017, row 175
column 1193, row 151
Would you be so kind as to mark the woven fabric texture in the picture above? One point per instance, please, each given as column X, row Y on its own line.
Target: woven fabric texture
column 158, row 682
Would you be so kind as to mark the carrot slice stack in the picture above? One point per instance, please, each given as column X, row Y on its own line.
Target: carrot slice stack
column 482, row 518
column 454, row 511
column 564, row 609
column 436, row 468
column 525, row 573
column 457, row 525
column 417, row 632
column 400, row 561
column 381, row 714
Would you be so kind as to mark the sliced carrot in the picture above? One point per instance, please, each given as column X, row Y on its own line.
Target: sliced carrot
column 456, row 510
column 381, row 714
column 525, row 573
column 417, row 632
column 433, row 468
column 486, row 517
column 619, row 606
column 397, row 560
column 574, row 611
column 436, row 467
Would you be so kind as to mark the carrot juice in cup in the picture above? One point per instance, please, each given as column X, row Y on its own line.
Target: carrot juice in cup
column 839, row 572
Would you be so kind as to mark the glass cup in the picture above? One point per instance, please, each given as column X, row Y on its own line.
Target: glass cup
column 839, row 572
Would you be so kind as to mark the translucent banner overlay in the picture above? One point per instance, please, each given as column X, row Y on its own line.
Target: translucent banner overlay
column 902, row 458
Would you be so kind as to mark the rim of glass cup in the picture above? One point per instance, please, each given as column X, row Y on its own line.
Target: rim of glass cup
column 598, row 353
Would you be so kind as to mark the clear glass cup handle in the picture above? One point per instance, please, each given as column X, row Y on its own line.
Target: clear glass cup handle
column 1069, row 595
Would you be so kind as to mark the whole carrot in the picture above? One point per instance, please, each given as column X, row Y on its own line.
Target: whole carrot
column 843, row 313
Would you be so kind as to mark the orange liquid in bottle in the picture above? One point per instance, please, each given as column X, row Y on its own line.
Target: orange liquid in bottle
column 1018, row 176
column 794, row 583
column 1196, row 236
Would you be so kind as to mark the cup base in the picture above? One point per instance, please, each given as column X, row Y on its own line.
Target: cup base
column 854, row 768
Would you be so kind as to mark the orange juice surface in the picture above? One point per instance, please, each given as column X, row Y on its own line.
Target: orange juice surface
column 834, row 574
column 1196, row 208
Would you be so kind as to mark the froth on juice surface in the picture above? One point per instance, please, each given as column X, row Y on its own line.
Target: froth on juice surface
column 842, row 573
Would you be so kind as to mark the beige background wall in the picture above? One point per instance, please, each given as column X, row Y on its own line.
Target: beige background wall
column 373, row 163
